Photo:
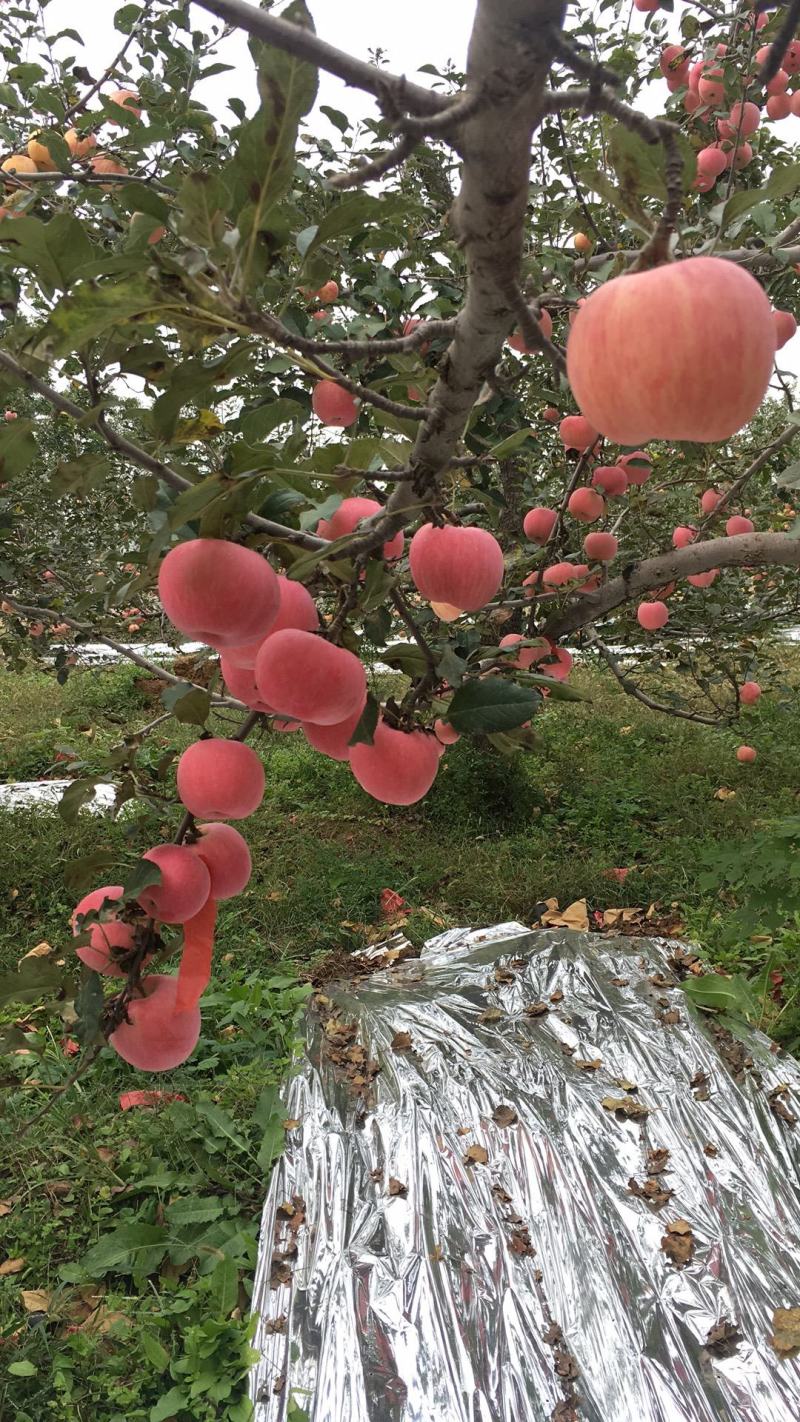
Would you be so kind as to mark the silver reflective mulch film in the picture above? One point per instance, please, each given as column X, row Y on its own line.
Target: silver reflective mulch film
column 527, row 1183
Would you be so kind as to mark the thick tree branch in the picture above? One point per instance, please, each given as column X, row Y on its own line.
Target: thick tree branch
column 509, row 55
column 360, row 350
column 304, row 44
column 744, row 550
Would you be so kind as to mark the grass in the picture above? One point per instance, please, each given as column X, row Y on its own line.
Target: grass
column 140, row 1226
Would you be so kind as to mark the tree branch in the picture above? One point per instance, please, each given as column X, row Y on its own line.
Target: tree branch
column 743, row 550
column 368, row 172
column 631, row 689
column 145, row 460
column 25, row 610
column 304, row 44
column 785, row 437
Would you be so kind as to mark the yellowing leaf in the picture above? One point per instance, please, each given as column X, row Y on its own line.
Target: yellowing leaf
column 35, row 1300
column 476, row 1155
column 11, row 1266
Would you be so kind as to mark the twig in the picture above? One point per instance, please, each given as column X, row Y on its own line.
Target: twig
column 535, row 338
column 579, row 193
column 785, row 437
column 59, row 1091
column 360, row 350
column 368, row 172
column 140, row 456
column 631, row 689
column 24, row 610
column 273, row 328
column 90, row 93
column 404, row 612
column 580, row 63
column 466, row 106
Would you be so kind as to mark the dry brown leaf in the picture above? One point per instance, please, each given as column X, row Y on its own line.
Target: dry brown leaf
column 724, row 793
column 437, row 1254
column 492, row 1014
column 786, row 1335
column 710, row 1150
column 519, row 1242
column 536, row 1009
column 276, row 1325
column 102, row 1320
column 396, row 1187
column 656, row 1160
column 504, row 1116
column 401, row 1042
column 42, row 950
column 722, row 1339
column 11, row 1266
column 35, row 1300
column 291, row 1124
column 557, row 996
column 678, row 1243
column 575, row 916
column 103, row 1153
column 476, row 1155
column 6, row 1206
column 588, row 1064
column 620, row 982
column 625, row 1106
column 652, row 1191
column 623, row 1083
column 616, row 917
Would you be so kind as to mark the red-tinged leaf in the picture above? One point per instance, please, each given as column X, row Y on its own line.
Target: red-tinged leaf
column 391, row 903
column 129, row 1100
column 70, row 1047
column 195, row 967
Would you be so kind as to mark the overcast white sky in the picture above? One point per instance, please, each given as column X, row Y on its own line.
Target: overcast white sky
column 410, row 33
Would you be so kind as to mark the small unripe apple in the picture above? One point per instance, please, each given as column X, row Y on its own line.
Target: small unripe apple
column 582, row 243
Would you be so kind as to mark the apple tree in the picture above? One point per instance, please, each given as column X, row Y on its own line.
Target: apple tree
column 488, row 379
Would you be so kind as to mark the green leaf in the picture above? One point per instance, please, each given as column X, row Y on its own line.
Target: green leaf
column 507, row 446
column 94, row 308
column 732, row 995
column 128, row 1249
column 789, row 478
column 188, row 704
column 264, row 163
column 55, row 251
column 139, row 197
column 81, row 475
column 142, row 875
column 639, row 165
column 22, row 1369
column 627, row 202
column 224, row 1286
column 74, row 798
column 451, row 667
column 35, row 977
column 408, row 658
column 89, row 1004
column 491, row 705
column 352, row 214
column 154, row 1352
column 222, row 1123
column 192, row 1210
column 783, row 183
column 170, row 1405
column 364, row 733
column 80, row 873
column 203, row 200
column 193, row 501
column 17, row 447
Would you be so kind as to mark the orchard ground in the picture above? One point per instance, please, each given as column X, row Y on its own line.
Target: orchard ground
column 173, row 1192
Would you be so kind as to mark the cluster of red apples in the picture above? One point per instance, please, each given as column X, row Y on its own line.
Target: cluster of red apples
column 277, row 659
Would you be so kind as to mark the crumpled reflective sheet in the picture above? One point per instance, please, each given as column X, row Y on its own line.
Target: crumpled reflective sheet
column 437, row 1303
